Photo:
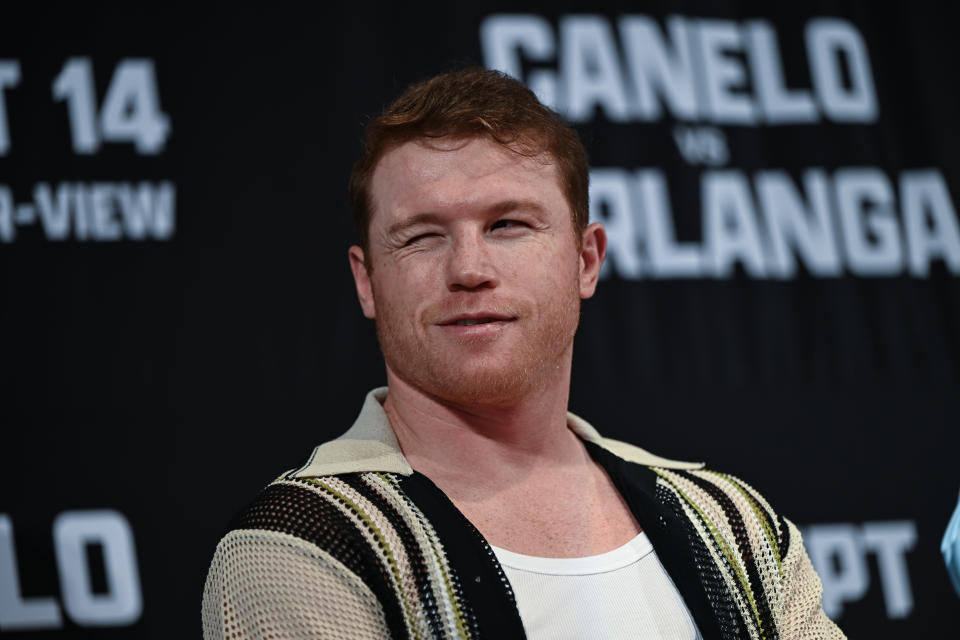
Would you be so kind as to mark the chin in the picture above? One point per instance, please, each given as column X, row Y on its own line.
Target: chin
column 485, row 389
column 475, row 383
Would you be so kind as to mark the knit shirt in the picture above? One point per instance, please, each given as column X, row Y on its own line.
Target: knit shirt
column 356, row 544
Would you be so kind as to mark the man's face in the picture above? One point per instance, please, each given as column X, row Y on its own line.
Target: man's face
column 475, row 275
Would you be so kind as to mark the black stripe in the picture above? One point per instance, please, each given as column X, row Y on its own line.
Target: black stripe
column 785, row 538
column 487, row 602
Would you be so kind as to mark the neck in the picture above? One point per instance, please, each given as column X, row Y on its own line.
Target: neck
column 493, row 442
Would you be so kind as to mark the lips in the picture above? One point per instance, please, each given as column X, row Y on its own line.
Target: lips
column 473, row 319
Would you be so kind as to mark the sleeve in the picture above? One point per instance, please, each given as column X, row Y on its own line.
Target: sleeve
column 802, row 616
column 266, row 584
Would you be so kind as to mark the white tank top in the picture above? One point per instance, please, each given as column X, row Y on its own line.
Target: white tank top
column 624, row 593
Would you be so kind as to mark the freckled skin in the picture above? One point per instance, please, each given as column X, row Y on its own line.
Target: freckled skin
column 463, row 231
column 470, row 227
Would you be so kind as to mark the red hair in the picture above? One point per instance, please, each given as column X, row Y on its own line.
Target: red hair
column 473, row 103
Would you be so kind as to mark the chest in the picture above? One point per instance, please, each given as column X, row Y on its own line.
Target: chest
column 553, row 515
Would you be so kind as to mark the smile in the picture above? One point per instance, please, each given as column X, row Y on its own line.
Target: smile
column 470, row 320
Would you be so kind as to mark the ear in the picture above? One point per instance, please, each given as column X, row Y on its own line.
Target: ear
column 591, row 258
column 361, row 278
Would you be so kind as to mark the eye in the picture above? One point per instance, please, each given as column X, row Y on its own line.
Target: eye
column 420, row 238
column 506, row 224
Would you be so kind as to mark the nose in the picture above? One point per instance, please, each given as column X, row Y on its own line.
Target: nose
column 470, row 265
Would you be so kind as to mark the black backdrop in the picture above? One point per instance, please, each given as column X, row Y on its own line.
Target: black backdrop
column 179, row 326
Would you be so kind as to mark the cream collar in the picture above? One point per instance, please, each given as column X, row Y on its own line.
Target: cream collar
column 370, row 445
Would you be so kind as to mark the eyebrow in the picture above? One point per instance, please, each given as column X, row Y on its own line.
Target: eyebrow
column 512, row 205
column 499, row 208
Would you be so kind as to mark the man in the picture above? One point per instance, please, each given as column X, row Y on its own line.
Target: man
column 466, row 501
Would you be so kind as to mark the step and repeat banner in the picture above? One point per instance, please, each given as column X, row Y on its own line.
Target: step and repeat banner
column 178, row 324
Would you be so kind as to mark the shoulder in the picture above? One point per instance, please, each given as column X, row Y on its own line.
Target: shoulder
column 303, row 553
column 295, row 565
column 337, row 513
column 368, row 522
column 725, row 508
column 756, row 556
column 740, row 542
column 358, row 533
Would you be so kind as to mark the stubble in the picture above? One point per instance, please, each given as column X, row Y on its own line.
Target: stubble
column 481, row 372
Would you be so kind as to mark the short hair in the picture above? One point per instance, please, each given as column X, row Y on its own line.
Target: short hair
column 473, row 103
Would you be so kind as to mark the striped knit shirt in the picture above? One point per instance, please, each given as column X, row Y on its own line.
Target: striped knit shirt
column 356, row 544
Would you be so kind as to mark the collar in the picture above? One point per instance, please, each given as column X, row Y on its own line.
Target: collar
column 370, row 445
